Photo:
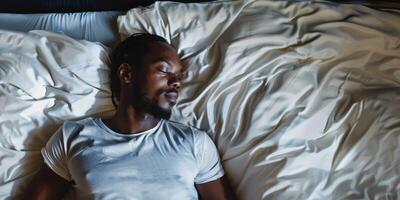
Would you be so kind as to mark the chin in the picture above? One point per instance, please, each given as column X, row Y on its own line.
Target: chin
column 163, row 112
column 158, row 109
column 166, row 106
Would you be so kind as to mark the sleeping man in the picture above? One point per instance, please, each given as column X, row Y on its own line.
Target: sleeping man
column 138, row 153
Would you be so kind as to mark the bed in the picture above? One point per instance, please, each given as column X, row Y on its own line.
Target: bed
column 302, row 98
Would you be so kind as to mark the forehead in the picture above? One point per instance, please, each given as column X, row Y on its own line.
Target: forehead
column 159, row 51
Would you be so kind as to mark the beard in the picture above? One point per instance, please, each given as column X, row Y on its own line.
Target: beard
column 141, row 101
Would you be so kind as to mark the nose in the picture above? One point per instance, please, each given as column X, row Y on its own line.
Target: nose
column 176, row 85
column 175, row 82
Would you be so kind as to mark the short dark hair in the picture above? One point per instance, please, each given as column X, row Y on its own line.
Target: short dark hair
column 131, row 51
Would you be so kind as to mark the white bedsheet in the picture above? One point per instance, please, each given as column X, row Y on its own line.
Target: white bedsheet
column 302, row 99
column 45, row 78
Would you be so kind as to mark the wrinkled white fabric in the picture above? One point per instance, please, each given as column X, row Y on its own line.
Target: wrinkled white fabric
column 301, row 98
column 45, row 78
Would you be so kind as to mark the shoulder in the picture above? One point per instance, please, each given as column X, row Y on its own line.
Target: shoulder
column 83, row 121
column 74, row 125
column 74, row 135
column 185, row 131
column 180, row 127
column 71, row 129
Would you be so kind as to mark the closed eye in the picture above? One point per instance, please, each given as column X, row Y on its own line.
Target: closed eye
column 162, row 71
column 178, row 76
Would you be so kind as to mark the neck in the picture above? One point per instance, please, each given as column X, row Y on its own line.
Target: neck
column 128, row 120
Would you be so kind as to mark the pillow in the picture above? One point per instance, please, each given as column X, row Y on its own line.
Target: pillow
column 301, row 98
column 91, row 26
column 45, row 78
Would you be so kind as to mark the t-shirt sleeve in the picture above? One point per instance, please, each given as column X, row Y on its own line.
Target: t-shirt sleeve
column 207, row 156
column 55, row 154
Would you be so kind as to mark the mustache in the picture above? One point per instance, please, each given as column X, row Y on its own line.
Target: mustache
column 172, row 90
column 168, row 91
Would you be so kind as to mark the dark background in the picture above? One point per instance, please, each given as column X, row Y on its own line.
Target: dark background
column 63, row 6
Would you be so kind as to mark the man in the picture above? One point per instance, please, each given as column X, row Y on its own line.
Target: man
column 138, row 153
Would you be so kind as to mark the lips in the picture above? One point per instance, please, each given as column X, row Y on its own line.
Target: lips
column 172, row 96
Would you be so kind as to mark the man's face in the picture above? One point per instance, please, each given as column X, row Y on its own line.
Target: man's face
column 158, row 83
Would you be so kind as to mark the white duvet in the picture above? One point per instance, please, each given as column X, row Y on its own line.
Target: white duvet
column 302, row 99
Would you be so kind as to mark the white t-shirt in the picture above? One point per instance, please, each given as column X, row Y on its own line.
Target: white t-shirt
column 164, row 162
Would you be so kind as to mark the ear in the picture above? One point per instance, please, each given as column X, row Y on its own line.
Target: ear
column 125, row 72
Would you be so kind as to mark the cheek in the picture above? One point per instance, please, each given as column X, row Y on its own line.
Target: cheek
column 155, row 89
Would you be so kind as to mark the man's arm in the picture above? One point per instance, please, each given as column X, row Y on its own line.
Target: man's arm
column 46, row 185
column 216, row 190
